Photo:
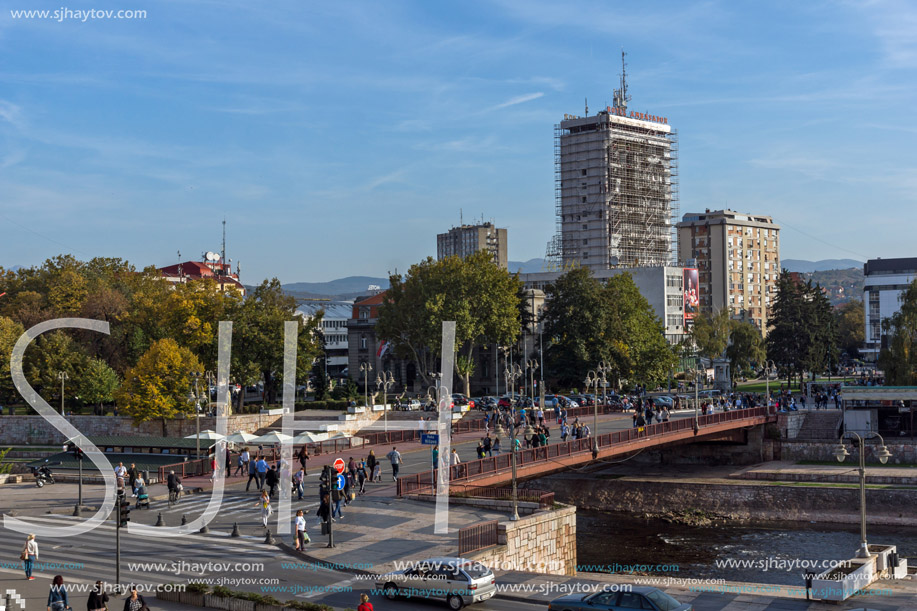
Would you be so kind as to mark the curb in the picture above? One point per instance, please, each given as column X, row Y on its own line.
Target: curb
column 290, row 550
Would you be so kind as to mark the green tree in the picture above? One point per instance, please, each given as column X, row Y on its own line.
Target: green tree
column 481, row 297
column 98, row 383
column 711, row 333
column 158, row 386
column 851, row 327
column 10, row 331
column 746, row 347
column 48, row 356
column 899, row 358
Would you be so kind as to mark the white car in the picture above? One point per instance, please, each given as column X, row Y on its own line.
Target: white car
column 412, row 405
column 458, row 581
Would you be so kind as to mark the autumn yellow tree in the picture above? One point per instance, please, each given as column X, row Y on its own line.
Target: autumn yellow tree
column 158, row 386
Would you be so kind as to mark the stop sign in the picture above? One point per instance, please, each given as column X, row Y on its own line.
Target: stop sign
column 339, row 465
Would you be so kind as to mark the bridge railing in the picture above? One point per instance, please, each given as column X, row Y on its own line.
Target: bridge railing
column 478, row 536
column 424, row 481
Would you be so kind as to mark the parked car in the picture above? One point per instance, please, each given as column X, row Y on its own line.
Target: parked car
column 411, row 404
column 664, row 401
column 458, row 581
column 639, row 597
column 485, row 403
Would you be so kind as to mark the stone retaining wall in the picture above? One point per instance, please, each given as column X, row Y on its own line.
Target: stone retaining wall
column 903, row 453
column 738, row 501
column 544, row 542
column 506, row 506
column 35, row 430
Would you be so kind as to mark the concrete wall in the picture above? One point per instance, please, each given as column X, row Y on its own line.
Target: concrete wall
column 35, row 430
column 543, row 542
column 734, row 501
column 902, row 453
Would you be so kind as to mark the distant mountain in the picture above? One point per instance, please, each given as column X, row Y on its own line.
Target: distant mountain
column 342, row 288
column 526, row 267
column 802, row 266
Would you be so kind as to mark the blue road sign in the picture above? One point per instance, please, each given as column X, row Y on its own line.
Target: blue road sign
column 340, row 482
column 429, row 439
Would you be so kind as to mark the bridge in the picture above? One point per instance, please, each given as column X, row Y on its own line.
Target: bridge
column 537, row 462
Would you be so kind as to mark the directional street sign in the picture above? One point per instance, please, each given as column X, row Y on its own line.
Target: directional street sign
column 339, row 465
column 429, row 439
column 340, row 482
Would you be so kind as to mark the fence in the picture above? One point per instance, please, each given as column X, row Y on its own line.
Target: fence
column 419, row 482
column 477, row 536
column 544, row 498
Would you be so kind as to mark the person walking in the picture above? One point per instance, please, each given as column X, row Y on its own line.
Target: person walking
column 98, row 599
column 337, row 496
column 395, row 458
column 303, row 456
column 272, row 479
column 495, row 448
column 365, row 605
column 261, row 468
column 299, row 480
column 302, row 537
column 454, row 462
column 244, row 459
column 228, row 463
column 361, row 476
column 435, row 457
column 324, row 509
column 29, row 555
column 252, row 474
column 371, row 466
column 57, row 596
column 486, row 441
column 135, row 601
column 120, row 474
column 132, row 474
column 264, row 503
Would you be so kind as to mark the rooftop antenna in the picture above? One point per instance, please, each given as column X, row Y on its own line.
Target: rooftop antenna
column 620, row 95
column 587, row 107
column 223, row 252
column 179, row 264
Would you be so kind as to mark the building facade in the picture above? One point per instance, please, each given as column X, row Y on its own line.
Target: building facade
column 334, row 332
column 884, row 282
column 466, row 240
column 189, row 271
column 661, row 286
column 737, row 257
column 615, row 190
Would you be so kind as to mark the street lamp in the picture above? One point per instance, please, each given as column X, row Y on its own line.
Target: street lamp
column 63, row 377
column 511, row 373
column 532, row 365
column 769, row 368
column 698, row 375
column 195, row 397
column 365, row 368
column 385, row 381
column 840, row 453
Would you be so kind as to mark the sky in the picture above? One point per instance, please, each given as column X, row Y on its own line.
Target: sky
column 338, row 138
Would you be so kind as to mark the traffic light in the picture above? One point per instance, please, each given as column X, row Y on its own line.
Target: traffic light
column 78, row 453
column 124, row 511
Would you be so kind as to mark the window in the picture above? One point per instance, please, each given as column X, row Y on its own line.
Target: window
column 584, row 172
column 585, row 241
column 363, row 342
column 585, row 226
column 584, row 199
column 364, row 313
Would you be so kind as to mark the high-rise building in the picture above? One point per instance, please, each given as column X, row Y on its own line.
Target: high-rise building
column 615, row 188
column 885, row 280
column 737, row 257
column 466, row 240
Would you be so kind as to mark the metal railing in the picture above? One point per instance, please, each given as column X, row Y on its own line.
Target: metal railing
column 477, row 536
column 544, row 498
column 419, row 482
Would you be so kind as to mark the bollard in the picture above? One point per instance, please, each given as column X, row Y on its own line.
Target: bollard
column 76, row 511
column 269, row 540
column 204, row 530
column 184, row 519
column 235, row 530
column 159, row 521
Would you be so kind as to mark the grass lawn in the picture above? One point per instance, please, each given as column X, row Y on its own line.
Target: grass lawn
column 761, row 386
column 834, row 463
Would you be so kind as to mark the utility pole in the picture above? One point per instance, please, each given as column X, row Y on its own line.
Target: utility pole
column 63, row 377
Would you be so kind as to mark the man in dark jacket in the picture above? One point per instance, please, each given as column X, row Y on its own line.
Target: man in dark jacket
column 272, row 479
column 252, row 475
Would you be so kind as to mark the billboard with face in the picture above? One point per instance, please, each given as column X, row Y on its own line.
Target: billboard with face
column 691, row 301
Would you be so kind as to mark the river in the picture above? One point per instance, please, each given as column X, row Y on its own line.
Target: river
column 773, row 552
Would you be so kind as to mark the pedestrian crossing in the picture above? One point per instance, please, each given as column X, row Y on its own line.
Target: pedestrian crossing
column 235, row 505
column 92, row 555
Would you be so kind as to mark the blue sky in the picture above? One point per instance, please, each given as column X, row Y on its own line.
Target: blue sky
column 337, row 138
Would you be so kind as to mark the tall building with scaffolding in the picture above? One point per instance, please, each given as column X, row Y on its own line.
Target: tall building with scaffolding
column 615, row 188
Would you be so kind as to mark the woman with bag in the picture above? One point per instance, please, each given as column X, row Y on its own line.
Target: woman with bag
column 365, row 605
column 57, row 597
column 265, row 504
column 135, row 602
column 98, row 599
column 29, row 555
column 302, row 537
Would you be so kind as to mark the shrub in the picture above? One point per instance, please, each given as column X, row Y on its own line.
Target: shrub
column 221, row 591
column 200, row 588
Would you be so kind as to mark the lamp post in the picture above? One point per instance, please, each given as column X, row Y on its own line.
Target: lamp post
column 511, row 373
column 840, row 453
column 195, row 398
column 532, row 365
column 515, row 372
column 385, row 381
column 63, row 377
column 365, row 368
column 769, row 368
column 698, row 375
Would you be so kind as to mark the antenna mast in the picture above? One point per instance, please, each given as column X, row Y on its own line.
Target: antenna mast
column 620, row 95
column 223, row 252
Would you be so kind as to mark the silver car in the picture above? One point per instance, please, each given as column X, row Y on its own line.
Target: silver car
column 458, row 581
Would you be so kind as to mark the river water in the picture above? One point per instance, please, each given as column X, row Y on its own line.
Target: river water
column 774, row 553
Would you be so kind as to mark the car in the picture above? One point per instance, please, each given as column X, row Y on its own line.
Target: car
column 486, row 403
column 550, row 401
column 638, row 597
column 458, row 581
column 411, row 404
column 664, row 401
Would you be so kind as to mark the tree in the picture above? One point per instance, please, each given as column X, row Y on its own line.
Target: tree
column 480, row 296
column 711, row 333
column 158, row 386
column 10, row 331
column 851, row 327
column 98, row 383
column 746, row 347
column 48, row 356
column 899, row 358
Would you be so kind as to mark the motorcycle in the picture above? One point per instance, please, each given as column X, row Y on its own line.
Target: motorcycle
column 42, row 476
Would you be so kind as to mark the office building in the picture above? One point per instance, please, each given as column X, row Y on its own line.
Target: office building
column 884, row 282
column 616, row 197
column 335, row 342
column 466, row 240
column 737, row 257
